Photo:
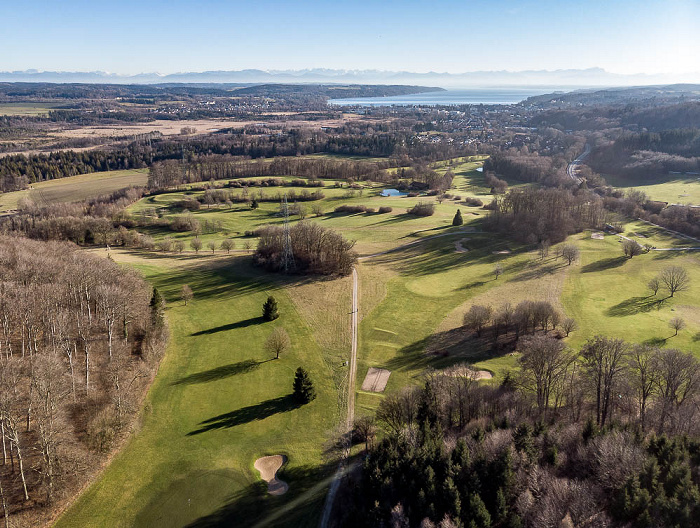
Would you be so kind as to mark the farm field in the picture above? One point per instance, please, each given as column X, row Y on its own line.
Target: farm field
column 219, row 402
column 27, row 109
column 75, row 188
column 672, row 188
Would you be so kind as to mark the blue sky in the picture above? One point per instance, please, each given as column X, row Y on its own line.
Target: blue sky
column 130, row 36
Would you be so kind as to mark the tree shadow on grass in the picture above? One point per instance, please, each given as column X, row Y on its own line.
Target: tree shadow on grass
column 252, row 413
column 301, row 506
column 231, row 326
column 635, row 305
column 604, row 264
column 221, row 372
column 656, row 341
column 446, row 348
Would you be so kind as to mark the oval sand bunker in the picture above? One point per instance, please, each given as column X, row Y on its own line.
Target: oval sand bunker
column 268, row 467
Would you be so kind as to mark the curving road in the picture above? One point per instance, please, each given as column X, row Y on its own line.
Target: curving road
column 573, row 166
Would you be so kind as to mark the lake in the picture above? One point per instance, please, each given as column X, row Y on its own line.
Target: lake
column 393, row 192
column 496, row 95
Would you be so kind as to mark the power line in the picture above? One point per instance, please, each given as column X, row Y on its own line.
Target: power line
column 287, row 255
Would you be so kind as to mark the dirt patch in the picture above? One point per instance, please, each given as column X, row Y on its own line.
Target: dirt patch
column 268, row 467
column 376, row 380
column 597, row 236
column 459, row 248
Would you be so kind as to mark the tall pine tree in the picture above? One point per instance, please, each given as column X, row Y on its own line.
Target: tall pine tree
column 304, row 391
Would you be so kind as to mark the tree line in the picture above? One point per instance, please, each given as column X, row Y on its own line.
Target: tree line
column 606, row 436
column 80, row 338
column 535, row 215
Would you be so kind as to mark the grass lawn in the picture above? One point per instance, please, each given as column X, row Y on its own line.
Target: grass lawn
column 606, row 293
column 218, row 403
column 671, row 188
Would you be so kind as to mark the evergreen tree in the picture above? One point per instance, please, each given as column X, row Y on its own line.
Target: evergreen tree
column 157, row 305
column 270, row 312
column 304, row 391
column 457, row 220
column 478, row 514
column 254, row 204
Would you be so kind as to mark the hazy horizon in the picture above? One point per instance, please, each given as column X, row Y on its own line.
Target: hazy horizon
column 654, row 37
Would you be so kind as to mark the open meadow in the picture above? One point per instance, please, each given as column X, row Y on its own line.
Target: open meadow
column 75, row 188
column 220, row 401
column 672, row 188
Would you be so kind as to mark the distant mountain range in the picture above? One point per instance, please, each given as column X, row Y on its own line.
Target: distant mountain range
column 563, row 78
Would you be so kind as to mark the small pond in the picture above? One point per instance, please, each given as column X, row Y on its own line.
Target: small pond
column 393, row 192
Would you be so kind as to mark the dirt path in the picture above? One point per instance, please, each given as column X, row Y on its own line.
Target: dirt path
column 350, row 418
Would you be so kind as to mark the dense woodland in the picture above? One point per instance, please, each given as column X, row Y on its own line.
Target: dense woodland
column 315, row 249
column 601, row 437
column 80, row 339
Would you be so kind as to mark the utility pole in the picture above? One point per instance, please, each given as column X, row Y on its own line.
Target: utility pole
column 287, row 255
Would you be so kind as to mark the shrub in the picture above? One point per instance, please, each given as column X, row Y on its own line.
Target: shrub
column 350, row 209
column 184, row 223
column 458, row 220
column 422, row 209
column 383, row 210
column 473, row 202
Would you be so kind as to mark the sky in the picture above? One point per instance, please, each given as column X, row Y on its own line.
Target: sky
column 131, row 37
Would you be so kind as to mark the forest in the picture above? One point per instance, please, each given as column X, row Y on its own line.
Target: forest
column 80, row 341
column 603, row 437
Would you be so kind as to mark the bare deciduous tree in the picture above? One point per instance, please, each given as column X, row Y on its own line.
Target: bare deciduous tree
column 196, row 244
column 675, row 278
column 570, row 253
column 227, row 245
column 604, row 361
column 544, row 361
column 497, row 271
column 477, row 318
column 631, row 248
column 654, row 285
column 278, row 342
column 677, row 324
column 186, row 294
column 643, row 377
column 569, row 325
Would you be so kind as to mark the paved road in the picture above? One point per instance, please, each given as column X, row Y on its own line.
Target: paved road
column 572, row 167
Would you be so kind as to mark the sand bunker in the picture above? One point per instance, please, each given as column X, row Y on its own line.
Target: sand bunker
column 597, row 236
column 376, row 380
column 466, row 372
column 502, row 252
column 268, row 467
column 459, row 248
